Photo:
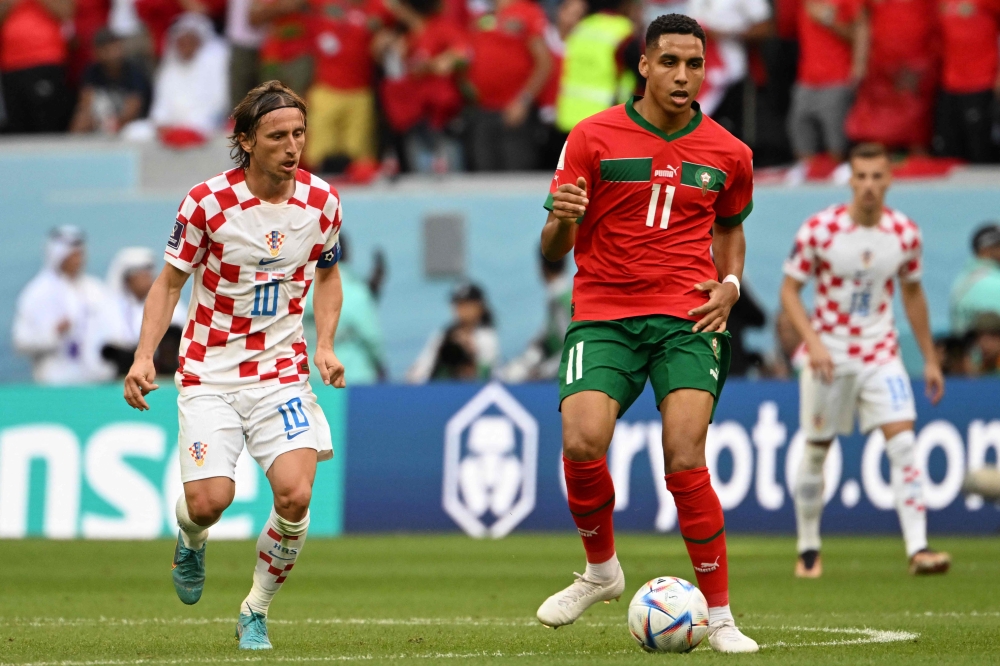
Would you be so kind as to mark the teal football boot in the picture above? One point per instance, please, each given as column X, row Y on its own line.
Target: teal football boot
column 251, row 630
column 189, row 571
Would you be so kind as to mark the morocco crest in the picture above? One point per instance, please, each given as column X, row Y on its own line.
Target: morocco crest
column 274, row 240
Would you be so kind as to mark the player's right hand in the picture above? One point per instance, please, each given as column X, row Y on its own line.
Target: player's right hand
column 569, row 202
column 821, row 362
column 139, row 382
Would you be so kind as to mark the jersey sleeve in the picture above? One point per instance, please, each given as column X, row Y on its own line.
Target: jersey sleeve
column 575, row 161
column 189, row 237
column 913, row 264
column 802, row 261
column 332, row 252
column 735, row 202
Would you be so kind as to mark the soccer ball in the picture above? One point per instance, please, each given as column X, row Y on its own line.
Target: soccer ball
column 668, row 614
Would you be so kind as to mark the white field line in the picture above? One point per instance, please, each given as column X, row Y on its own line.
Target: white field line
column 291, row 660
column 867, row 636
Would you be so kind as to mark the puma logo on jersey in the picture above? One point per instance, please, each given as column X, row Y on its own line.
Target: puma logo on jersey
column 715, row 373
column 588, row 533
column 669, row 172
column 708, row 567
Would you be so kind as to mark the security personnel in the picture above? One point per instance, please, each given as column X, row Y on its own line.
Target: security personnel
column 598, row 71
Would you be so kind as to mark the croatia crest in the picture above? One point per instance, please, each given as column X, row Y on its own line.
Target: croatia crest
column 274, row 240
column 198, row 452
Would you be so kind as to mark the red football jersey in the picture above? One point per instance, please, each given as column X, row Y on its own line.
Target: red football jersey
column 645, row 240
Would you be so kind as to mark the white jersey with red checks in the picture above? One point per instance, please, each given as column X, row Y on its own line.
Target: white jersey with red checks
column 854, row 267
column 253, row 263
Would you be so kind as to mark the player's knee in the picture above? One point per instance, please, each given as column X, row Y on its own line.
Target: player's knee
column 682, row 461
column 293, row 503
column 581, row 446
column 205, row 508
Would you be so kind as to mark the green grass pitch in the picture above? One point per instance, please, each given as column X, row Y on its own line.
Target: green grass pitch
column 453, row 600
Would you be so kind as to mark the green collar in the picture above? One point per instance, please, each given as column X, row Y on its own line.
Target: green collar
column 648, row 126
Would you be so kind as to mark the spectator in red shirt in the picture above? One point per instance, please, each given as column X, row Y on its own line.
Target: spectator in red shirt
column 970, row 82
column 509, row 68
column 89, row 16
column 897, row 54
column 420, row 94
column 286, row 53
column 824, row 88
column 341, row 99
column 33, row 54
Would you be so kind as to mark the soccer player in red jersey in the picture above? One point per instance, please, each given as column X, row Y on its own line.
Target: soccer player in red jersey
column 646, row 193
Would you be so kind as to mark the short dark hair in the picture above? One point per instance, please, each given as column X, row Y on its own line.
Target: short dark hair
column 262, row 100
column 867, row 151
column 985, row 237
column 673, row 24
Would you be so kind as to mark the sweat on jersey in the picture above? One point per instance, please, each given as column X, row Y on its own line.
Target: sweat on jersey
column 646, row 237
column 253, row 263
column 854, row 267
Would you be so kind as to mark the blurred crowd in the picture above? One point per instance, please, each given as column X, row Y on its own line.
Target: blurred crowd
column 78, row 329
column 494, row 85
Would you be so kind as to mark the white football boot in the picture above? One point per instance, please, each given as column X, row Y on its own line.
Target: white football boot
column 723, row 636
column 566, row 606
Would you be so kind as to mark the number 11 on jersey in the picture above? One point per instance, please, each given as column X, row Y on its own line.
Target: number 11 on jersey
column 668, row 201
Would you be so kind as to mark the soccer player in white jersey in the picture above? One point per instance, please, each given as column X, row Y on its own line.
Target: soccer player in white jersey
column 856, row 253
column 256, row 238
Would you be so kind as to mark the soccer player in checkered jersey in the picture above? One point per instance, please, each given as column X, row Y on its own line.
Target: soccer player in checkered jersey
column 856, row 253
column 256, row 238
column 645, row 194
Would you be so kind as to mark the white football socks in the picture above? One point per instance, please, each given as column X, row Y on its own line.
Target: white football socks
column 604, row 572
column 809, row 496
column 193, row 535
column 278, row 546
column 908, row 490
column 720, row 614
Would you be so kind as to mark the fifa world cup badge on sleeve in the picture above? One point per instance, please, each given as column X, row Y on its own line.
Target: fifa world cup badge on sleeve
column 198, row 452
column 175, row 235
column 274, row 240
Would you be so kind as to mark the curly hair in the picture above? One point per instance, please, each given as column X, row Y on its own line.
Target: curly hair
column 265, row 98
column 673, row 24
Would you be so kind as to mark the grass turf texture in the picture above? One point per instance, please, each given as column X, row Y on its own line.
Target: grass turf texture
column 452, row 600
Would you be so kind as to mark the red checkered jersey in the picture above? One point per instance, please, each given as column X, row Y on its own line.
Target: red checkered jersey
column 646, row 240
column 253, row 263
column 854, row 267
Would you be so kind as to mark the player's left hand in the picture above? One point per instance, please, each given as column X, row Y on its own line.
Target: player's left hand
column 331, row 370
column 933, row 382
column 722, row 296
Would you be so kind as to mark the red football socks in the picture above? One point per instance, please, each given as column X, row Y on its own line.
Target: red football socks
column 703, row 528
column 592, row 501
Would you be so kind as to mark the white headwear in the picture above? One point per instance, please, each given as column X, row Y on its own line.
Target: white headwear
column 62, row 242
column 127, row 260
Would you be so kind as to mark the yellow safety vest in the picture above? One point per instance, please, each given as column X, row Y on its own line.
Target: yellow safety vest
column 590, row 80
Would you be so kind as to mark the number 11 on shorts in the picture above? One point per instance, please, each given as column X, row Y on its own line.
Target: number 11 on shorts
column 577, row 352
column 668, row 202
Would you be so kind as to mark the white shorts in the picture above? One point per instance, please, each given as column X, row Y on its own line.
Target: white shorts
column 880, row 395
column 269, row 421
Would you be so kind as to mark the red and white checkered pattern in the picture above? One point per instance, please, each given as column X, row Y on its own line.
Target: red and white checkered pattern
column 854, row 268
column 244, row 326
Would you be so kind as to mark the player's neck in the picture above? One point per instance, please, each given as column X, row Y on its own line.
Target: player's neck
column 661, row 119
column 268, row 187
column 864, row 218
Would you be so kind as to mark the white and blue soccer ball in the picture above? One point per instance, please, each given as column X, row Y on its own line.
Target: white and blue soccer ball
column 668, row 614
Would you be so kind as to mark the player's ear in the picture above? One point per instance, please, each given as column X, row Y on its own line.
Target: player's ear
column 246, row 143
column 644, row 66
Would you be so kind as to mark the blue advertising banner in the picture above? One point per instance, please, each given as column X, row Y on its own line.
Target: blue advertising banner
column 487, row 460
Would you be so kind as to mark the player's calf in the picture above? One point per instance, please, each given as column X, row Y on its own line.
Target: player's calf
column 188, row 569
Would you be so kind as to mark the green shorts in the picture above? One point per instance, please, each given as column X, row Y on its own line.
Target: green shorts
column 616, row 357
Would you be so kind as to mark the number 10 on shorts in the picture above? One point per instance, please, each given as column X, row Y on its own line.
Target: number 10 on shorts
column 574, row 362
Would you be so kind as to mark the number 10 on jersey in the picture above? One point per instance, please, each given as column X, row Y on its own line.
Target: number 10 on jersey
column 654, row 199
